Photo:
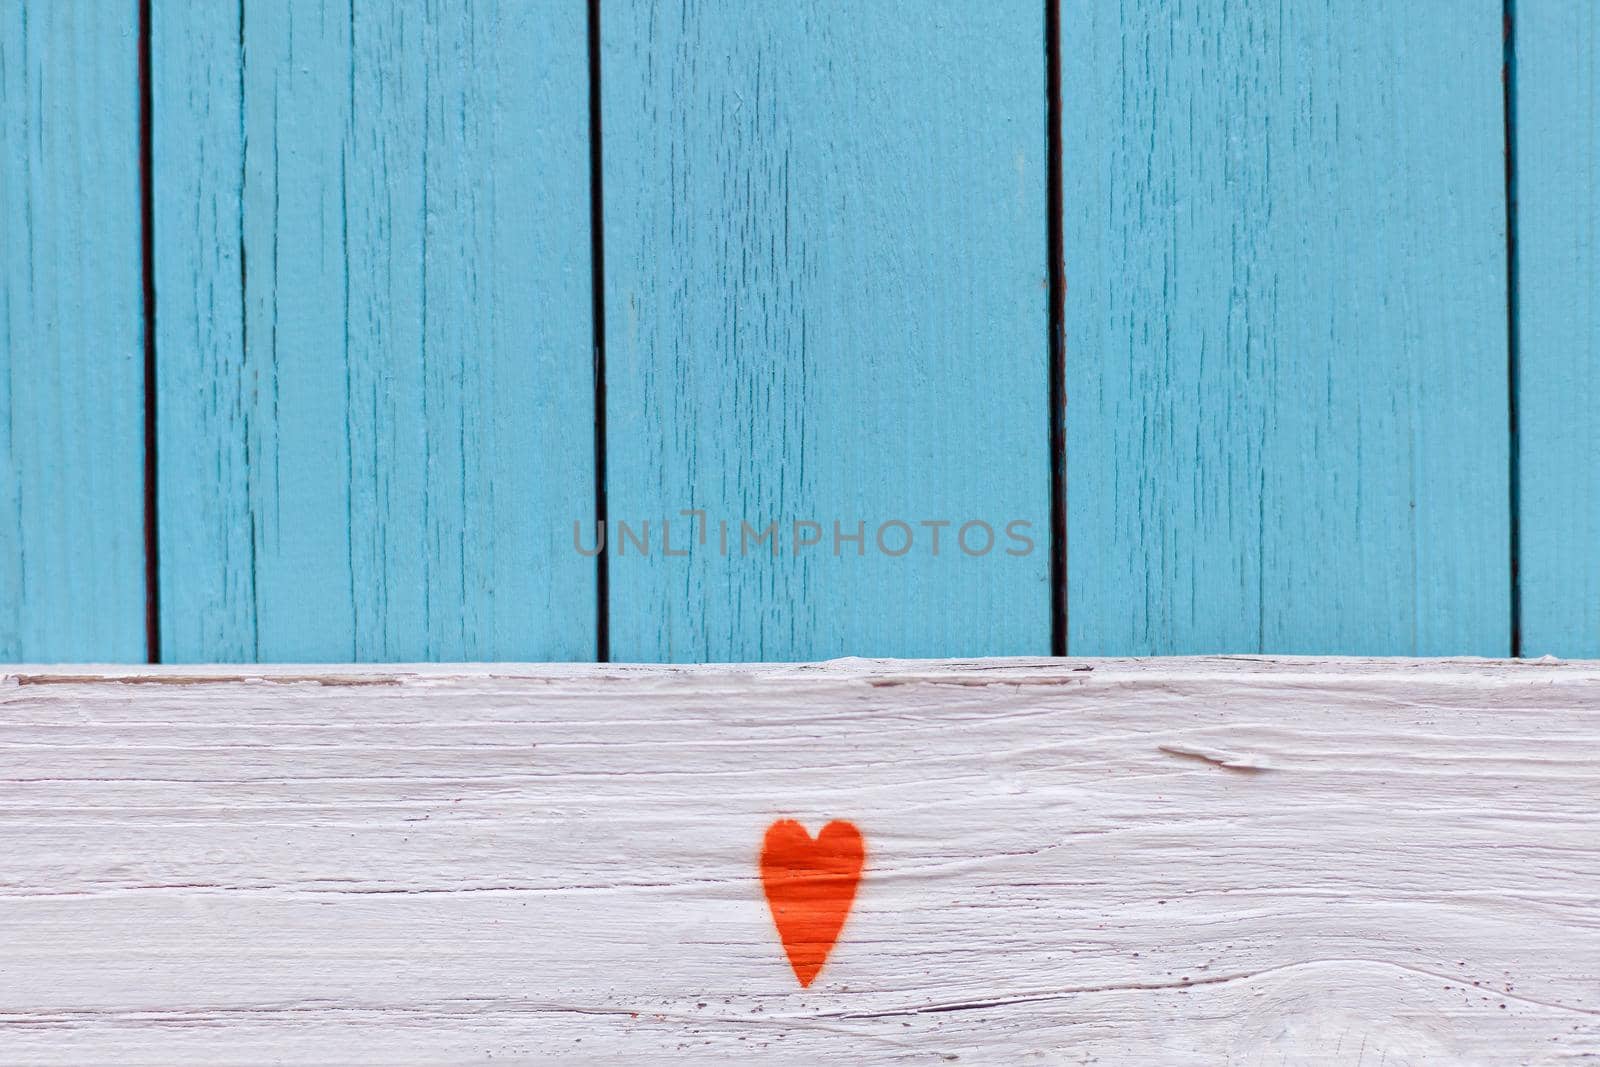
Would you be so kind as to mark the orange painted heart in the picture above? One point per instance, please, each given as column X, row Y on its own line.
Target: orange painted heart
column 810, row 885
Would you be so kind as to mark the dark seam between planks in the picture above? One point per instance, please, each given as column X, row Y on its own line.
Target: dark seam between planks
column 147, row 261
column 1057, row 328
column 1508, row 84
column 597, row 278
column 244, row 342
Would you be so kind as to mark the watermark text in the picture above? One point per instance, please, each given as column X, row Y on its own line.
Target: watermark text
column 693, row 530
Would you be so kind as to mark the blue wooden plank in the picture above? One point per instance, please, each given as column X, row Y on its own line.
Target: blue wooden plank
column 1556, row 124
column 374, row 339
column 825, row 241
column 1286, row 327
column 71, row 334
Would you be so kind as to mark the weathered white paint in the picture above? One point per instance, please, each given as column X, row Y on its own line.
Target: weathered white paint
column 1178, row 861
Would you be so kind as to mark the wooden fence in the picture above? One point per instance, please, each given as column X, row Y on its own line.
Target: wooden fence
column 1273, row 327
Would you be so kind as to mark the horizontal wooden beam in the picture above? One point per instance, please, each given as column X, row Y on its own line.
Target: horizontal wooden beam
column 1225, row 860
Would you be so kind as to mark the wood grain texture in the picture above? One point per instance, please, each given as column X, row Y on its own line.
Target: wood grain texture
column 1557, row 129
column 1286, row 327
column 825, row 301
column 375, row 379
column 1241, row 861
column 72, row 583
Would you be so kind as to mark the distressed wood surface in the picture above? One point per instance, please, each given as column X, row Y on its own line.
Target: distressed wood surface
column 825, row 301
column 375, row 382
column 1556, row 86
column 1286, row 327
column 72, row 575
column 1245, row 861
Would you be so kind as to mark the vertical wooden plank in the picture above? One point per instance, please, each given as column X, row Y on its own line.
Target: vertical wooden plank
column 1286, row 328
column 373, row 270
column 825, row 301
column 71, row 334
column 1556, row 94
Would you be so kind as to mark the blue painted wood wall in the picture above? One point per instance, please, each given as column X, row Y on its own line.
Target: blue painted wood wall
column 329, row 329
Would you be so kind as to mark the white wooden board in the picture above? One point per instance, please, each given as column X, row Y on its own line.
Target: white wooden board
column 1174, row 861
